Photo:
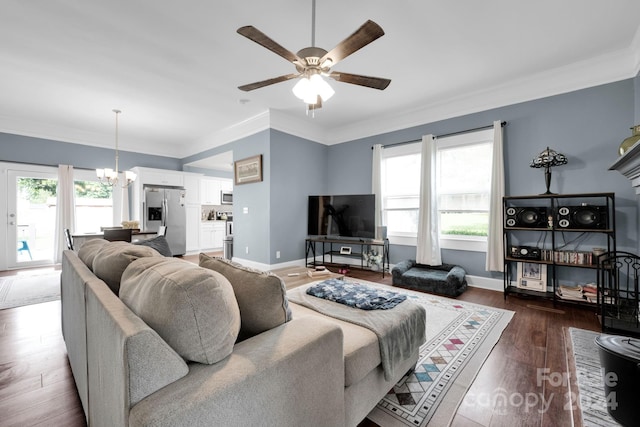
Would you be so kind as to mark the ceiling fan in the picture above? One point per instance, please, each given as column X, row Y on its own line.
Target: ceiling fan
column 313, row 62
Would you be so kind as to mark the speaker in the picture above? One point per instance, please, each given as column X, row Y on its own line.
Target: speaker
column 582, row 217
column 381, row 232
column 526, row 217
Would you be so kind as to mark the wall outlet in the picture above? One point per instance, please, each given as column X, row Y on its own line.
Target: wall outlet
column 246, row 250
column 277, row 254
column 245, row 210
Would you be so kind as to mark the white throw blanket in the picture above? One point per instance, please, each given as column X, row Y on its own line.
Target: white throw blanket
column 400, row 330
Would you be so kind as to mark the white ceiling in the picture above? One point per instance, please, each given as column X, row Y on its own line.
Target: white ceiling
column 173, row 67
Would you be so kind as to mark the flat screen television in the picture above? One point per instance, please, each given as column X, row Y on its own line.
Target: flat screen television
column 345, row 216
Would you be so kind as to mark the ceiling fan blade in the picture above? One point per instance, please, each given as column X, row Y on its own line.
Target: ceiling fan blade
column 368, row 32
column 254, row 34
column 258, row 85
column 356, row 79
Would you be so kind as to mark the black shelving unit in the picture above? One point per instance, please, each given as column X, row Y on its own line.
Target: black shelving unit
column 328, row 249
column 547, row 230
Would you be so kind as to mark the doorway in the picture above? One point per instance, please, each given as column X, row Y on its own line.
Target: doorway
column 31, row 207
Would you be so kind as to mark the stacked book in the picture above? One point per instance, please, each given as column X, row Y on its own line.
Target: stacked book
column 590, row 291
column 567, row 257
column 583, row 293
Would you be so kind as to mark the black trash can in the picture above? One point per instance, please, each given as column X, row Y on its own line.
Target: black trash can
column 227, row 251
column 620, row 360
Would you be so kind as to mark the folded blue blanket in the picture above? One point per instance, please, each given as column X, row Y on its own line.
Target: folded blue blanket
column 356, row 295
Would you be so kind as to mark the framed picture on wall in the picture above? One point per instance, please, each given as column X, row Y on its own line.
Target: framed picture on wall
column 532, row 276
column 248, row 170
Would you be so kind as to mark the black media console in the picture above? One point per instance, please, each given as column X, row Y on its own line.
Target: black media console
column 347, row 248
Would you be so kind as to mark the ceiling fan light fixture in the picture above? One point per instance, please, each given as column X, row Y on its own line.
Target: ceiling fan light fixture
column 321, row 87
column 308, row 89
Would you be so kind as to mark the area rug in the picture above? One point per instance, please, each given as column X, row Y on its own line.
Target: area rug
column 35, row 288
column 591, row 399
column 460, row 336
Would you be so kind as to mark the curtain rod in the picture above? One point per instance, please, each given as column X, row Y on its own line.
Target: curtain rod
column 503, row 124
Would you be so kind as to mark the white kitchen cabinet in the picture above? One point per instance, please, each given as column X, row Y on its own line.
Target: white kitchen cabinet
column 193, row 227
column 209, row 191
column 226, row 185
column 159, row 177
column 192, row 187
column 212, row 235
column 218, row 236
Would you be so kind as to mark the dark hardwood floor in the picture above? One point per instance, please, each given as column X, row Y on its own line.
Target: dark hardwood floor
column 37, row 387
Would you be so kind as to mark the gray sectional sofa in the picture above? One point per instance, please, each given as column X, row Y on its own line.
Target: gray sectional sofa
column 156, row 341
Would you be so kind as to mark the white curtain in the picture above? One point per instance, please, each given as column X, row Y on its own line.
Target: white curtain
column 495, row 242
column 65, row 209
column 376, row 182
column 125, row 203
column 428, row 248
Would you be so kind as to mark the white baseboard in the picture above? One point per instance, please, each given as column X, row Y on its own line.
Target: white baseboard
column 485, row 283
column 474, row 281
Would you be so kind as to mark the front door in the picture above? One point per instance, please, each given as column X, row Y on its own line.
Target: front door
column 31, row 203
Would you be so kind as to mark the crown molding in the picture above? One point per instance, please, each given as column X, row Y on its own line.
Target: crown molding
column 604, row 69
column 293, row 125
column 240, row 130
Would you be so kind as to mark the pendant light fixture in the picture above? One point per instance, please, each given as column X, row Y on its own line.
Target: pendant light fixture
column 109, row 176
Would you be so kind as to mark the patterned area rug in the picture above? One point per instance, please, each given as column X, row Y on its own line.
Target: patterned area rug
column 588, row 373
column 460, row 336
column 16, row 291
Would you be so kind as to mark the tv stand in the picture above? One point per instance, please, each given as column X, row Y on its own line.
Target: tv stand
column 334, row 246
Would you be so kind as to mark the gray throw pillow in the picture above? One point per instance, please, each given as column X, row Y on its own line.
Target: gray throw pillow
column 261, row 296
column 114, row 257
column 193, row 309
column 89, row 249
column 158, row 243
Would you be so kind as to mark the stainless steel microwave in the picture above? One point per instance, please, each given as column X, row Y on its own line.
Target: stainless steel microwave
column 226, row 197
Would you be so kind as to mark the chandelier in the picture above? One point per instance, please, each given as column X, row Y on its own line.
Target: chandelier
column 109, row 176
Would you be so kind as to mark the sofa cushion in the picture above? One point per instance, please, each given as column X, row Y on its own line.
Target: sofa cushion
column 361, row 348
column 193, row 309
column 262, row 296
column 158, row 243
column 114, row 257
column 89, row 249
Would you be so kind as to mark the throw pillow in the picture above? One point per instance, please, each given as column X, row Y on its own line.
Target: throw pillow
column 114, row 257
column 261, row 296
column 89, row 249
column 158, row 243
column 193, row 309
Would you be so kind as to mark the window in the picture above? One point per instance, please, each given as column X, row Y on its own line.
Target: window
column 401, row 190
column 464, row 184
column 94, row 202
column 463, row 187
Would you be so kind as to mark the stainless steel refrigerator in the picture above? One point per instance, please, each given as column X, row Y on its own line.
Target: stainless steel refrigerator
column 165, row 206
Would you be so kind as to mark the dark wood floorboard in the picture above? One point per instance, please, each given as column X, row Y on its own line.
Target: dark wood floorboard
column 37, row 388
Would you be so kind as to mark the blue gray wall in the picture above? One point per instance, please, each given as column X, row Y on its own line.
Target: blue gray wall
column 251, row 230
column 25, row 149
column 298, row 169
column 586, row 125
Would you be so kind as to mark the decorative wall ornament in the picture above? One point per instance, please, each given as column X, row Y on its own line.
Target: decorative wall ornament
column 248, row 170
